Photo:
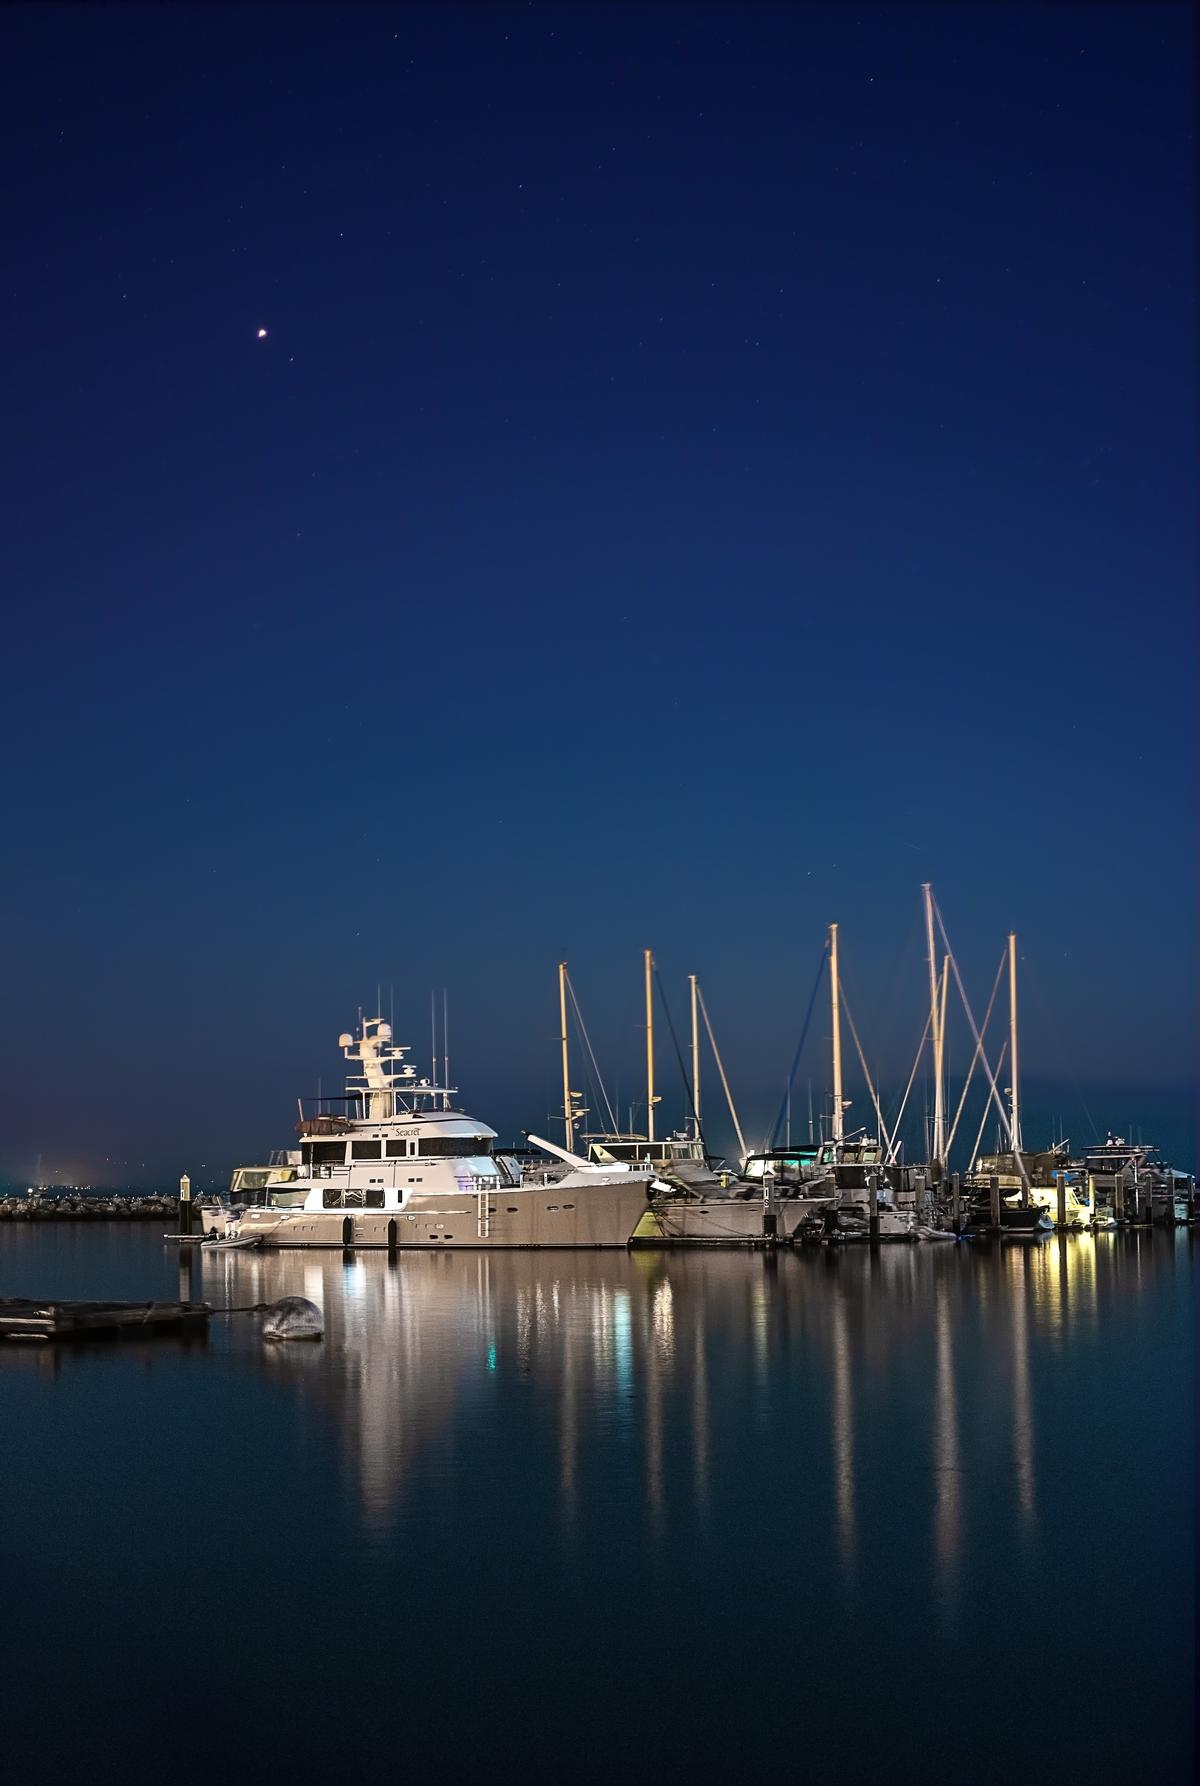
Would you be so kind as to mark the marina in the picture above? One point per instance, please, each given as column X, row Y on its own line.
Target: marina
column 395, row 1163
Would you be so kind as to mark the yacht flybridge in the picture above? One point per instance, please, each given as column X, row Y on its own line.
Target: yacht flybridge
column 395, row 1163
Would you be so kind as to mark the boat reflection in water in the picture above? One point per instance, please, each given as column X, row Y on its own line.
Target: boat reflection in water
column 704, row 1378
column 622, row 1516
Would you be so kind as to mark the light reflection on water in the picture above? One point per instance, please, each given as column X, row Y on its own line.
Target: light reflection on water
column 626, row 1346
column 631, row 1457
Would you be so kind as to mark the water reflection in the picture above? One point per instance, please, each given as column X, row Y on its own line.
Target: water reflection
column 581, row 1469
column 680, row 1373
column 1019, row 1256
column 843, row 1431
column 946, row 1460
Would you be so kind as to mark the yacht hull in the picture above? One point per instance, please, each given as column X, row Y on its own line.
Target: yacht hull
column 723, row 1221
column 593, row 1215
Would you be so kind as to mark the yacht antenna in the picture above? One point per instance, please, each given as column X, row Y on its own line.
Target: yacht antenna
column 648, row 960
column 835, row 1012
column 695, row 1060
column 568, row 1124
column 810, row 1114
column 1014, row 1104
column 445, row 1049
column 433, row 1076
column 937, row 1149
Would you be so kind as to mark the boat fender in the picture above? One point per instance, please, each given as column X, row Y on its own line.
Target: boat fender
column 293, row 1318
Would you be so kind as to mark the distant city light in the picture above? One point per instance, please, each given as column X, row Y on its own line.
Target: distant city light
column 262, row 334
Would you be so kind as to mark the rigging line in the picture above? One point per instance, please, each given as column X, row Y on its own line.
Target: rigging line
column 791, row 1078
column 712, row 1042
column 613, row 1127
column 862, row 1061
column 984, row 1117
column 987, row 1015
column 996, row 1098
column 678, row 1053
column 891, row 1159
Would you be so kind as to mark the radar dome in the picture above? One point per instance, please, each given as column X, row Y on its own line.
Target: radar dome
column 345, row 1040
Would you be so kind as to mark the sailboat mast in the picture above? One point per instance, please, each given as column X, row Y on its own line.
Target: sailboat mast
column 937, row 1152
column 695, row 1059
column 648, row 956
column 1014, row 1096
column 568, row 1124
column 836, row 1014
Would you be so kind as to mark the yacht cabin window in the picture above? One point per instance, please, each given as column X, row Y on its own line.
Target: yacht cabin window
column 366, row 1150
column 324, row 1153
column 461, row 1147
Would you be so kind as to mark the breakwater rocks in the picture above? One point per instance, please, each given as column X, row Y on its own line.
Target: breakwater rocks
column 37, row 1206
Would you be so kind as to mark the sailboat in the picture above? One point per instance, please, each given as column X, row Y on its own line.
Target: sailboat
column 848, row 1174
column 1025, row 1196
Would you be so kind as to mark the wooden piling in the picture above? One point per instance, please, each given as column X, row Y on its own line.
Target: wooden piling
column 1062, row 1199
column 185, row 1204
column 956, row 1201
column 994, row 1192
column 873, row 1206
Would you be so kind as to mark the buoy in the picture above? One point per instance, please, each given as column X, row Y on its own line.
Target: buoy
column 293, row 1318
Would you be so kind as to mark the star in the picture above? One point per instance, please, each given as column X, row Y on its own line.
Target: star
column 261, row 335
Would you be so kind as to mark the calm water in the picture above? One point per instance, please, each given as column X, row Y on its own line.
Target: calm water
column 617, row 1516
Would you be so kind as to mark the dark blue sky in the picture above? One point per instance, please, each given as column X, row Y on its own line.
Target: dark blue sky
column 708, row 471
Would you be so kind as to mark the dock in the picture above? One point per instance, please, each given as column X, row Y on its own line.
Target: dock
column 24, row 1318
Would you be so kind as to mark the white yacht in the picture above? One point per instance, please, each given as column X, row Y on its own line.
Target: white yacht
column 399, row 1166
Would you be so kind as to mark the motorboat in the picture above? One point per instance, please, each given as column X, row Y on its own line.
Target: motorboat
column 395, row 1163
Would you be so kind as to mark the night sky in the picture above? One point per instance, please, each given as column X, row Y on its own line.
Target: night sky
column 708, row 470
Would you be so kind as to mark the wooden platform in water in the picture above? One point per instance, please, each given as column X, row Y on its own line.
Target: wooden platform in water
column 22, row 1318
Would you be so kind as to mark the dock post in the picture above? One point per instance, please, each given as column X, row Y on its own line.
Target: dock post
column 185, row 1204
column 920, row 1183
column 873, row 1206
column 994, row 1189
column 956, row 1200
column 391, row 1238
column 1062, row 1199
column 347, row 1231
column 770, row 1211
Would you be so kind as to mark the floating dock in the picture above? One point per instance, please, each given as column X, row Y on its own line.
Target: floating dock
column 22, row 1318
